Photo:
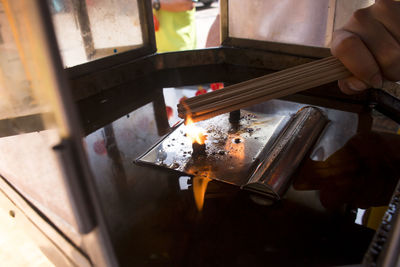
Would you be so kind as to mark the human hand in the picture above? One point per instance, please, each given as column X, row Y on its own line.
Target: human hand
column 369, row 46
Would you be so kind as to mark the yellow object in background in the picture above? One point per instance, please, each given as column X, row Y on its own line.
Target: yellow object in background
column 375, row 216
column 177, row 30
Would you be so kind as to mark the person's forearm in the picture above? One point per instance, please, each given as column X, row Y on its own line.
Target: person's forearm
column 176, row 5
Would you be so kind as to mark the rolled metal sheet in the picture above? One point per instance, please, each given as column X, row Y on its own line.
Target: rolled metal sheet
column 273, row 176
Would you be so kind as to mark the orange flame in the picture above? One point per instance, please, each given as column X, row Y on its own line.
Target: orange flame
column 199, row 190
column 194, row 132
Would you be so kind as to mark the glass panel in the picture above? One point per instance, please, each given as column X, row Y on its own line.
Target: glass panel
column 304, row 22
column 28, row 129
column 175, row 30
column 345, row 8
column 19, row 102
column 92, row 29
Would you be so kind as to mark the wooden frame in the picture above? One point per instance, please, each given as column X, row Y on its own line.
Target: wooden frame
column 330, row 25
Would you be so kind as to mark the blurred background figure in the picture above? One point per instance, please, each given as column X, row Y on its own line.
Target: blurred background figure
column 175, row 25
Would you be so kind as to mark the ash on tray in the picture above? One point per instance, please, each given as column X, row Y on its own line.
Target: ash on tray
column 199, row 150
column 229, row 153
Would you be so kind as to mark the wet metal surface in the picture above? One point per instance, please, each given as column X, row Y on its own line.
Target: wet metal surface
column 274, row 174
column 232, row 150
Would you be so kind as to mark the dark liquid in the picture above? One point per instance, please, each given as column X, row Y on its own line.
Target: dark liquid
column 153, row 218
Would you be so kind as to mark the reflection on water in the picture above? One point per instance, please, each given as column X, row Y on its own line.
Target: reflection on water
column 184, row 182
column 199, row 190
column 363, row 173
column 158, row 222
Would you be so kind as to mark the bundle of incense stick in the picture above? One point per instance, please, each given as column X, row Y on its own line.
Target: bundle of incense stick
column 255, row 91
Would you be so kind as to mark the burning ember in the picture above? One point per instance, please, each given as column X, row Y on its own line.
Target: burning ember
column 197, row 137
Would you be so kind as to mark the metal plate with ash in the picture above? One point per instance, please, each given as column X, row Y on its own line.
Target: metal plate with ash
column 233, row 150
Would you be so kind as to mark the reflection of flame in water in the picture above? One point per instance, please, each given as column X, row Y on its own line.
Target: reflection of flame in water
column 194, row 132
column 199, row 189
